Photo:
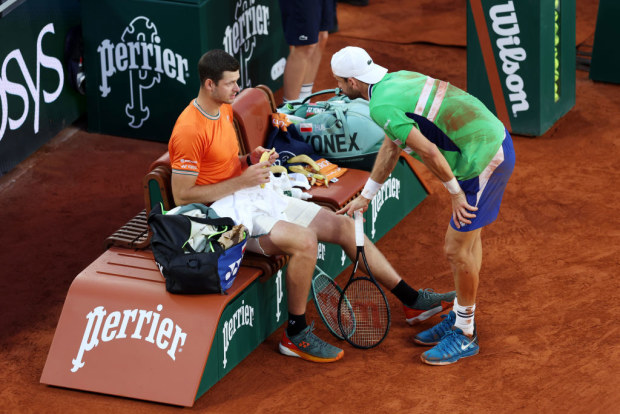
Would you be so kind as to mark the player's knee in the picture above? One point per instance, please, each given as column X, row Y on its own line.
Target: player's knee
column 306, row 243
column 455, row 253
column 343, row 229
column 304, row 51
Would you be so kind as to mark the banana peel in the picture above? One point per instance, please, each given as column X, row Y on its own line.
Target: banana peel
column 305, row 159
column 278, row 169
column 312, row 177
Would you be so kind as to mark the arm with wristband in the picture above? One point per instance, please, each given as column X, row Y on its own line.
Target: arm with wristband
column 386, row 160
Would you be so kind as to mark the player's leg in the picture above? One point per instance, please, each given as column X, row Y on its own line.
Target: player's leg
column 419, row 304
column 293, row 238
column 301, row 250
column 464, row 253
column 313, row 66
column 455, row 337
column 327, row 15
column 300, row 21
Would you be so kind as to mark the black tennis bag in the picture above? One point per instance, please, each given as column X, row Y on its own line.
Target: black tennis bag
column 188, row 271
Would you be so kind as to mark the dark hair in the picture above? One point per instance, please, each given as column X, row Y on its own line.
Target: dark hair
column 214, row 63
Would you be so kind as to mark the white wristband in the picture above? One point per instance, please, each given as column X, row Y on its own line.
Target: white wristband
column 370, row 189
column 452, row 186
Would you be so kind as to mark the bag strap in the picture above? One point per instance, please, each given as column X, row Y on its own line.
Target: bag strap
column 335, row 91
column 340, row 117
column 221, row 221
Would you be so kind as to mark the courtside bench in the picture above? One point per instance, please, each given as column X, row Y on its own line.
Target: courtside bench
column 121, row 333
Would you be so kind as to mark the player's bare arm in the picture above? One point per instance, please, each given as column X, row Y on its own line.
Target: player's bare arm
column 185, row 190
column 386, row 160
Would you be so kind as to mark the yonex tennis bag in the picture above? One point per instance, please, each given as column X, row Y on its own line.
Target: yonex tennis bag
column 208, row 267
column 339, row 129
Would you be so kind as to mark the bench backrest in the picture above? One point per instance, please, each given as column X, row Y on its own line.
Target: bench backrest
column 252, row 111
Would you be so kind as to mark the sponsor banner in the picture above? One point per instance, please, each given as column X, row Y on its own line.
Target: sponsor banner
column 521, row 60
column 121, row 333
column 36, row 97
column 141, row 65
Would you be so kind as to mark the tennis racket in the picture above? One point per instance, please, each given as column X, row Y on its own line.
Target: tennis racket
column 363, row 310
column 326, row 295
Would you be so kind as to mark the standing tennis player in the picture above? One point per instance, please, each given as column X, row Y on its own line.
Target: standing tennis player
column 464, row 145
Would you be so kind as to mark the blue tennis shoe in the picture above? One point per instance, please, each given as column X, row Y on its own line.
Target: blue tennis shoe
column 453, row 346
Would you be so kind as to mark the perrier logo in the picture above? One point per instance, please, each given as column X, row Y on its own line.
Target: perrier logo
column 240, row 37
column 141, row 55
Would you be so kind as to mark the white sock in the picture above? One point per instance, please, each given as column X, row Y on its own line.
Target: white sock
column 306, row 90
column 464, row 317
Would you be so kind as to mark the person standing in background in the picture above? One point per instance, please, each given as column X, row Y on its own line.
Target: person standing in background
column 306, row 25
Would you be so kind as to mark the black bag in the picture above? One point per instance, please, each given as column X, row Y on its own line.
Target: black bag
column 185, row 270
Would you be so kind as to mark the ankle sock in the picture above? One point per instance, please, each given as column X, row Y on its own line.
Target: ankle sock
column 296, row 324
column 464, row 317
column 306, row 90
column 405, row 293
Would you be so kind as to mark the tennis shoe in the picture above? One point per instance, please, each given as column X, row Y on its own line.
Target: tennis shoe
column 308, row 346
column 453, row 346
column 429, row 303
column 433, row 335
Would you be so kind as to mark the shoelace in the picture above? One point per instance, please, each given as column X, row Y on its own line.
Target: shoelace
column 443, row 326
column 426, row 293
column 314, row 340
column 448, row 344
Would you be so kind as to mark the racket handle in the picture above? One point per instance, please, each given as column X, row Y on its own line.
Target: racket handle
column 359, row 228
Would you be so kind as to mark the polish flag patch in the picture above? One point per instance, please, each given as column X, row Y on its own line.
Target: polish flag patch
column 305, row 127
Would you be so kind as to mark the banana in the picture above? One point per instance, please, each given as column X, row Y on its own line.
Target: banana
column 303, row 158
column 278, row 169
column 265, row 157
column 321, row 178
column 300, row 169
column 313, row 177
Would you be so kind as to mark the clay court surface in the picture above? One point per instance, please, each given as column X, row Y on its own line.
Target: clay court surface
column 547, row 306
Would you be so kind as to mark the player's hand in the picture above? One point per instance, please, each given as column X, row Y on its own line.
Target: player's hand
column 461, row 210
column 359, row 203
column 256, row 174
column 258, row 151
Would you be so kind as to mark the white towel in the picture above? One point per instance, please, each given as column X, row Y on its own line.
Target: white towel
column 244, row 204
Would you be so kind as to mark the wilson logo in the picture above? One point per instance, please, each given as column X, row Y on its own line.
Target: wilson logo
column 243, row 316
column 141, row 55
column 389, row 189
column 506, row 26
column 136, row 323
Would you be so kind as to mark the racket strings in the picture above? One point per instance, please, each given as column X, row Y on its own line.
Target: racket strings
column 327, row 296
column 367, row 313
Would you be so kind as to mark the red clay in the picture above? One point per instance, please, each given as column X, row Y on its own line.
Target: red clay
column 546, row 311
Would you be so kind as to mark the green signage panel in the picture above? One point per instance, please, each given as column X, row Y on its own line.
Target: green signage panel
column 605, row 64
column 141, row 65
column 36, row 97
column 521, row 60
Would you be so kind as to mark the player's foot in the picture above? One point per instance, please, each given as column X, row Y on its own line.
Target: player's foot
column 429, row 303
column 308, row 346
column 452, row 347
column 433, row 335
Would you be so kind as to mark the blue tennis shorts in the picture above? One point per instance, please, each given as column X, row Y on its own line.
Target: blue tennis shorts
column 302, row 20
column 486, row 190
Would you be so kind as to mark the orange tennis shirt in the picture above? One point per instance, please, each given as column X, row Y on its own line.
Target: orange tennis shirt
column 205, row 146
